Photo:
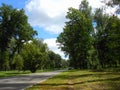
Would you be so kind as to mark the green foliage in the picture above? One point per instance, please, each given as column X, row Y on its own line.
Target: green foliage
column 113, row 41
column 76, row 38
column 54, row 60
column 85, row 9
column 18, row 61
column 64, row 63
column 44, row 50
column 5, row 29
column 5, row 58
column 107, row 39
column 14, row 31
column 32, row 57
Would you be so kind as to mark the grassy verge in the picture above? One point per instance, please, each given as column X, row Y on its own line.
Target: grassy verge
column 12, row 73
column 81, row 80
column 17, row 73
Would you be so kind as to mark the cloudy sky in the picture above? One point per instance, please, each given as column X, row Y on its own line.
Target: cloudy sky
column 48, row 16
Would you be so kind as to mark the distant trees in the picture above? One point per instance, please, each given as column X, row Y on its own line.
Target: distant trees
column 54, row 60
column 90, row 46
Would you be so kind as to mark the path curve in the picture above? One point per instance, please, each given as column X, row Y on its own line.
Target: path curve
column 24, row 81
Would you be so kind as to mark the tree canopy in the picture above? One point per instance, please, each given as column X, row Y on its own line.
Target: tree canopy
column 76, row 38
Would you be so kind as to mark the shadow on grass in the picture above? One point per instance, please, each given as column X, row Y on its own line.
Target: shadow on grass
column 63, row 77
column 89, row 81
column 111, row 82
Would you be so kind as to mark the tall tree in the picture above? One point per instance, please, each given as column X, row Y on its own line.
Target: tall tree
column 13, row 25
column 23, row 32
column 106, row 38
column 5, row 30
column 102, row 20
column 75, row 40
column 113, row 41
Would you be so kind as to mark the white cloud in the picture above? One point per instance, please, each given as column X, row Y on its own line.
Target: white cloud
column 95, row 3
column 53, row 46
column 50, row 14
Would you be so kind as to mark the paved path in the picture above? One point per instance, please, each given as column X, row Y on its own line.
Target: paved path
column 24, row 81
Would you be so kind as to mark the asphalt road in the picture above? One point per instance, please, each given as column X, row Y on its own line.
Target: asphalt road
column 24, row 81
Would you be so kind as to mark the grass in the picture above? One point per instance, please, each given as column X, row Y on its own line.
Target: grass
column 12, row 73
column 17, row 73
column 81, row 80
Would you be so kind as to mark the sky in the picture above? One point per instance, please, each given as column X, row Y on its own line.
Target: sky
column 47, row 17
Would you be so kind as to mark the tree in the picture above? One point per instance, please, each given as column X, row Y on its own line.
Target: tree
column 57, row 59
column 23, row 32
column 5, row 29
column 18, row 62
column 102, row 20
column 5, row 65
column 34, row 55
column 13, row 25
column 51, row 60
column 54, row 60
column 44, row 50
column 75, row 40
column 107, row 38
column 64, row 63
column 112, row 43
column 85, row 9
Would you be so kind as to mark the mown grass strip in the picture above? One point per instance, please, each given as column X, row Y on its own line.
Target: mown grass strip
column 81, row 80
column 17, row 73
column 12, row 73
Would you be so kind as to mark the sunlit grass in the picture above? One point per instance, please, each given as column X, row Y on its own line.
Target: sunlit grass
column 17, row 73
column 81, row 80
column 12, row 73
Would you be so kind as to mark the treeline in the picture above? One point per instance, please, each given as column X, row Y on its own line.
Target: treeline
column 19, row 50
column 91, row 38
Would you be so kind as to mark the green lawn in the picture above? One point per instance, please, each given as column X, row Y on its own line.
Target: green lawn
column 12, row 73
column 81, row 80
column 17, row 73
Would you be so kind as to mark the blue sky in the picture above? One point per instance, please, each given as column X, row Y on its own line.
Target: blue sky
column 21, row 4
column 15, row 3
column 48, row 16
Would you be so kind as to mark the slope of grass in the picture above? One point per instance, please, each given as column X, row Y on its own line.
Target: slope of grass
column 81, row 80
